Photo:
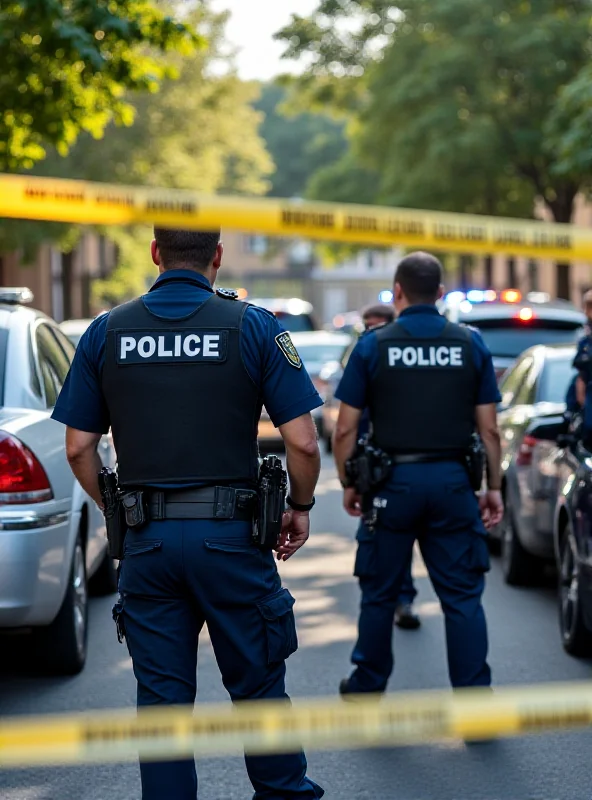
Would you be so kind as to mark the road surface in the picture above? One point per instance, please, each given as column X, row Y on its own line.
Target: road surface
column 525, row 648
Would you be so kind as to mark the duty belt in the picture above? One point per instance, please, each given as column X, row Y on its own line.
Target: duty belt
column 424, row 458
column 209, row 502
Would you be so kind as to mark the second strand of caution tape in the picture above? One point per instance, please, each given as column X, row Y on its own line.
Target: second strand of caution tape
column 273, row 727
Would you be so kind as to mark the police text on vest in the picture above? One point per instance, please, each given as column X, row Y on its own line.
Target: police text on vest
column 156, row 347
column 424, row 356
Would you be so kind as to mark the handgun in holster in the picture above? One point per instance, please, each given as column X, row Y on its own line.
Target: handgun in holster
column 475, row 462
column 367, row 470
column 113, row 511
column 272, row 488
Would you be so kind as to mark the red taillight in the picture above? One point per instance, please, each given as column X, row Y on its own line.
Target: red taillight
column 22, row 478
column 524, row 457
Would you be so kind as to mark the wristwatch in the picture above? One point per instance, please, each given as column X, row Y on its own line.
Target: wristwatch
column 299, row 506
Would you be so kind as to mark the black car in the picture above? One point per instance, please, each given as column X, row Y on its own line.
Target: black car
column 531, row 416
column 572, row 464
column 509, row 328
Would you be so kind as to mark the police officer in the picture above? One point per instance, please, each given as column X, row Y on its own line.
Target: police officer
column 180, row 376
column 428, row 384
column 578, row 395
column 405, row 616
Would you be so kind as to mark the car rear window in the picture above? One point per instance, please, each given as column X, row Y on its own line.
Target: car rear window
column 510, row 337
column 556, row 376
column 320, row 352
column 295, row 323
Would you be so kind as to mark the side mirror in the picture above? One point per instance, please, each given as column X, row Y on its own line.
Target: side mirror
column 549, row 430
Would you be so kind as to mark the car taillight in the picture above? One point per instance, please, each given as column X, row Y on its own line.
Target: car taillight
column 524, row 457
column 22, row 478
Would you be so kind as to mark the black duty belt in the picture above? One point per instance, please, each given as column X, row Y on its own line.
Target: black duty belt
column 424, row 458
column 209, row 502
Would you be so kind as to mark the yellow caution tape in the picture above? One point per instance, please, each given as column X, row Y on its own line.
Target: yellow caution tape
column 105, row 204
column 274, row 727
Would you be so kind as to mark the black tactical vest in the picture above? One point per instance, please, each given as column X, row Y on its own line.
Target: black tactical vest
column 423, row 397
column 183, row 407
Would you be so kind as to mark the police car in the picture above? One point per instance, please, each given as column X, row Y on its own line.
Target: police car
column 53, row 545
column 295, row 315
column 510, row 323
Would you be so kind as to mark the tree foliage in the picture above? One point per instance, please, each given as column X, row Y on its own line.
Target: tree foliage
column 66, row 66
column 299, row 143
column 465, row 106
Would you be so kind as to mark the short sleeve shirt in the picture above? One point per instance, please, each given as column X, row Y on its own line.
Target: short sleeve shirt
column 421, row 321
column 287, row 391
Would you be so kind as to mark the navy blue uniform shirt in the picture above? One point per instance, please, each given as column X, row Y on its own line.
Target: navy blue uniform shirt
column 286, row 391
column 421, row 321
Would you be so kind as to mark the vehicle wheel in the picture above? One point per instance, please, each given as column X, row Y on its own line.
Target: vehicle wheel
column 576, row 638
column 104, row 581
column 518, row 566
column 62, row 645
column 494, row 543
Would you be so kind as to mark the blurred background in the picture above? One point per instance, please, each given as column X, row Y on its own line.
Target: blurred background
column 455, row 106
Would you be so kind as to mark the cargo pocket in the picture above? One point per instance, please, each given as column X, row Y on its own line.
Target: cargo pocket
column 277, row 611
column 137, row 548
column 480, row 560
column 365, row 564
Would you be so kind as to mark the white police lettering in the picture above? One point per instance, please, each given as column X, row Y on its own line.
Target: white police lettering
column 193, row 338
column 139, row 347
column 423, row 356
column 146, row 346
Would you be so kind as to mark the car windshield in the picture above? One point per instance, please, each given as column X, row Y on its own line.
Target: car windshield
column 510, row 337
column 295, row 323
column 556, row 377
column 320, row 352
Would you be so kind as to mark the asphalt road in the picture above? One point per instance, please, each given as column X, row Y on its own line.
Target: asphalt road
column 525, row 648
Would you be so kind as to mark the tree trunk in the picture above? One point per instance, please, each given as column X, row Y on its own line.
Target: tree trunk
column 562, row 208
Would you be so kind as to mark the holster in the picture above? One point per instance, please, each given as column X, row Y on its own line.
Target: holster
column 475, row 462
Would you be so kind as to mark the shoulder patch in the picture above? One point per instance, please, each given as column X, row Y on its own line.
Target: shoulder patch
column 284, row 342
column 227, row 294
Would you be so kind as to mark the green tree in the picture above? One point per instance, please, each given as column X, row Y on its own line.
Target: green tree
column 66, row 65
column 468, row 106
column 299, row 143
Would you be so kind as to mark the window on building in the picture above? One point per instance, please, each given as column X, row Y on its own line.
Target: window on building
column 256, row 245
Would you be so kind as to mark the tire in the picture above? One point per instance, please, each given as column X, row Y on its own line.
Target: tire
column 62, row 645
column 519, row 567
column 104, row 581
column 575, row 636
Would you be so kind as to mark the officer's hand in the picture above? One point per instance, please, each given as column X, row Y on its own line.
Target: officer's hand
column 352, row 502
column 295, row 530
column 492, row 509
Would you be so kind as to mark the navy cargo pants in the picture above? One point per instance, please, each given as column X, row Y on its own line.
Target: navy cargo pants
column 178, row 575
column 434, row 504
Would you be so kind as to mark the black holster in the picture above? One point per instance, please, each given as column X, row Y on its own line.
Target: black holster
column 113, row 511
column 273, row 484
column 367, row 471
column 475, row 462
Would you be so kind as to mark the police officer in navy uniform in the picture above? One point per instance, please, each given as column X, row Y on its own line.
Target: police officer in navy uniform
column 180, row 376
column 405, row 616
column 428, row 384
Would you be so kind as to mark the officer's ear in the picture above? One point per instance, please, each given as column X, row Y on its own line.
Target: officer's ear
column 155, row 253
column 217, row 262
column 440, row 292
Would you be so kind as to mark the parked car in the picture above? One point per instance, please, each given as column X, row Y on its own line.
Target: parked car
column 74, row 328
column 530, row 416
column 572, row 531
column 511, row 324
column 321, row 353
column 331, row 375
column 53, row 544
column 295, row 315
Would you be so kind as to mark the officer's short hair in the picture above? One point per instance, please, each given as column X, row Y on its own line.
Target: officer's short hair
column 419, row 276
column 192, row 249
column 380, row 311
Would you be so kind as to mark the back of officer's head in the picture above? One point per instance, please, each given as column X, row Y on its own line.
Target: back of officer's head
column 418, row 280
column 179, row 249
